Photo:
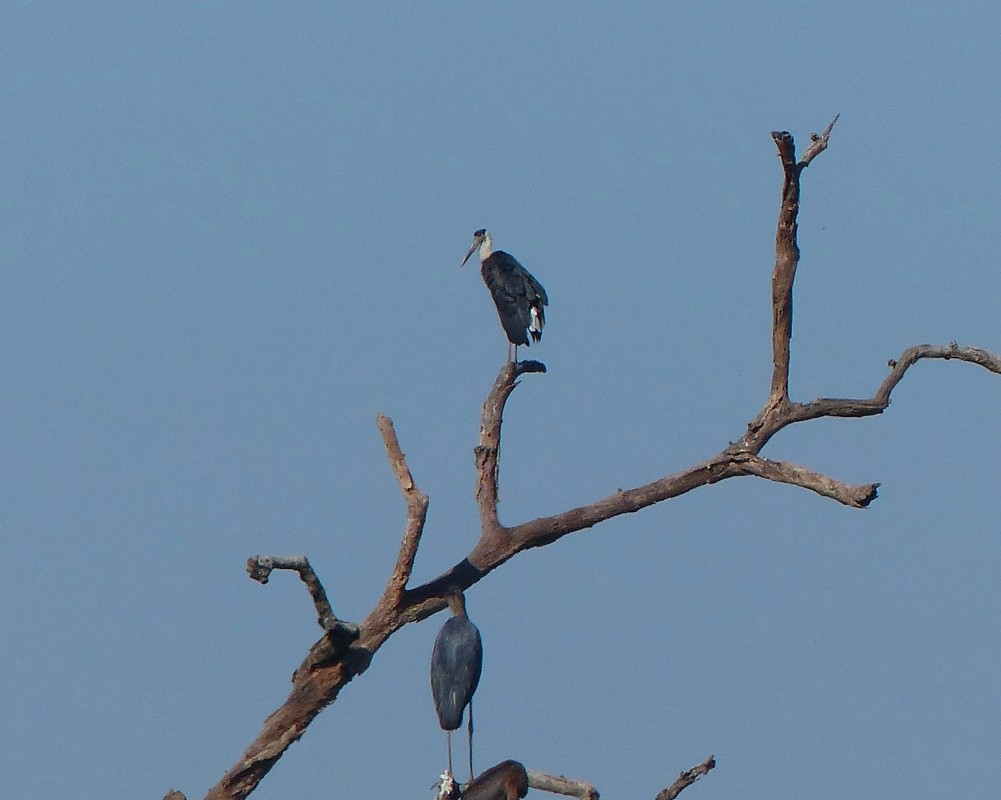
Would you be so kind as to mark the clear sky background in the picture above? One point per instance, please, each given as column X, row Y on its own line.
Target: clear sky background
column 231, row 234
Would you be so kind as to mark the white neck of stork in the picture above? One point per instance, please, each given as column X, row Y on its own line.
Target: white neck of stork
column 486, row 247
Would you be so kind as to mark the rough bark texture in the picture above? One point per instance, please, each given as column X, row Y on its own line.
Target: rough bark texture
column 345, row 651
column 559, row 784
column 689, row 776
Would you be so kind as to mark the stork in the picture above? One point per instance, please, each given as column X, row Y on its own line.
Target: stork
column 519, row 297
column 456, row 662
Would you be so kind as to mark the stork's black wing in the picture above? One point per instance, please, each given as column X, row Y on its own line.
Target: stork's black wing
column 456, row 662
column 519, row 297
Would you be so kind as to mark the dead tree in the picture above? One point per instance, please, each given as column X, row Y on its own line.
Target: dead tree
column 345, row 650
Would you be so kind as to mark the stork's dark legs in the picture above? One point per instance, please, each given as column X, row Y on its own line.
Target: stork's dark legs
column 470, row 741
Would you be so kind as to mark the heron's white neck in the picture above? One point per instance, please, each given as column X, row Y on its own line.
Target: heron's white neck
column 486, row 247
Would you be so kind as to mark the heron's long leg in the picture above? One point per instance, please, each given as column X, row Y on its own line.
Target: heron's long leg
column 448, row 739
column 470, row 740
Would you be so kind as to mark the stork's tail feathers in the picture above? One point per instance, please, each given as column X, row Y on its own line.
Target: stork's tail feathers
column 537, row 323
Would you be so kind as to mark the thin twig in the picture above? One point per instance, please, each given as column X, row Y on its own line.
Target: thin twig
column 818, row 143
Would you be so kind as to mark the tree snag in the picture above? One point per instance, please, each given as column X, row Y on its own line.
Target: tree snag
column 346, row 650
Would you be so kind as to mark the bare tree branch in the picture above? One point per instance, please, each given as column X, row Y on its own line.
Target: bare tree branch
column 417, row 509
column 332, row 663
column 787, row 253
column 784, row 273
column 557, row 784
column 794, row 474
column 260, row 567
column 689, row 776
column 818, row 143
column 487, row 452
column 880, row 401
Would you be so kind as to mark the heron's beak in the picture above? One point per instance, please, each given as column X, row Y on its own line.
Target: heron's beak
column 472, row 250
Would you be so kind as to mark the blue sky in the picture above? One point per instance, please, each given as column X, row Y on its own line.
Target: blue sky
column 231, row 235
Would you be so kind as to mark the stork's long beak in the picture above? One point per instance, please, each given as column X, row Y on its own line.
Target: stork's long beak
column 472, row 249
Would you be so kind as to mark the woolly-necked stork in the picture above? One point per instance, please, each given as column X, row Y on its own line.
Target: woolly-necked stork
column 519, row 297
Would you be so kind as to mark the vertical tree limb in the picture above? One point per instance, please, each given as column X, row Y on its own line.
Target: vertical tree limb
column 487, row 452
column 417, row 509
column 787, row 256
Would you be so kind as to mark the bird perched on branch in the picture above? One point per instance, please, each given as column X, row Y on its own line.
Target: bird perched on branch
column 456, row 662
column 519, row 297
column 505, row 781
